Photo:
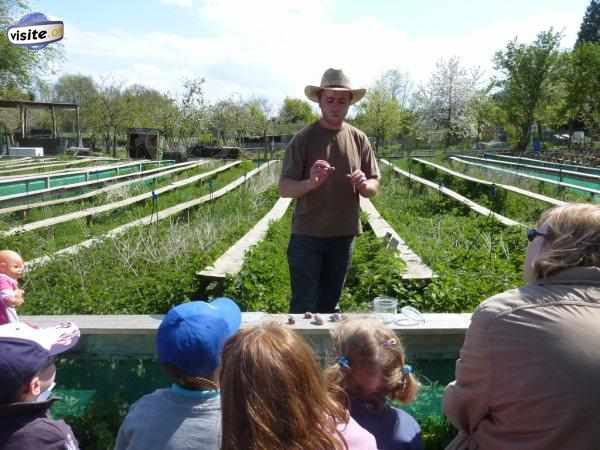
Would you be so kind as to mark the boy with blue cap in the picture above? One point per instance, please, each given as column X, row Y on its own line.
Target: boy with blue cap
column 27, row 377
column 187, row 415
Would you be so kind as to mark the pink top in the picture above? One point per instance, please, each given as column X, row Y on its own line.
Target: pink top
column 356, row 436
column 8, row 290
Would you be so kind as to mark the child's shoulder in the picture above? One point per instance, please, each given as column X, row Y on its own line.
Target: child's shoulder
column 406, row 425
column 149, row 402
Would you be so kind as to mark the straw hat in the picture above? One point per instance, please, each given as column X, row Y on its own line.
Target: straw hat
column 335, row 80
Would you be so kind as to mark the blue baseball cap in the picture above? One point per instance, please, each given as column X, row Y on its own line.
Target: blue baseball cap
column 191, row 336
column 25, row 350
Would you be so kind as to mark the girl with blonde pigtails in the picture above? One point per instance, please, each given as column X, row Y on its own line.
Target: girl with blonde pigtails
column 371, row 368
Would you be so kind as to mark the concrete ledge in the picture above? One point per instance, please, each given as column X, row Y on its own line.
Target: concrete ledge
column 132, row 336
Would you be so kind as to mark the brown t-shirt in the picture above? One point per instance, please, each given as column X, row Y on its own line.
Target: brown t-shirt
column 331, row 210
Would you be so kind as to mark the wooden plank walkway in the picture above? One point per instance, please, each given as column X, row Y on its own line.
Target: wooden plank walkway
column 456, row 196
column 415, row 268
column 531, row 177
column 508, row 187
column 144, row 176
column 231, row 262
column 161, row 215
column 114, row 205
column 68, row 187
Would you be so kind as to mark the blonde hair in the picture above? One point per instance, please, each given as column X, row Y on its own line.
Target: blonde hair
column 367, row 343
column 573, row 238
column 274, row 395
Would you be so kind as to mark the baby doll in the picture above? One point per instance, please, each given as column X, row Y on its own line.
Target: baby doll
column 11, row 269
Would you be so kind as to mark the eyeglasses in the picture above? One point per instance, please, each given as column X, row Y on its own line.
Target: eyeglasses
column 532, row 233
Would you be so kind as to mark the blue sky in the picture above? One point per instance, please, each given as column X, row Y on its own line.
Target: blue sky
column 272, row 48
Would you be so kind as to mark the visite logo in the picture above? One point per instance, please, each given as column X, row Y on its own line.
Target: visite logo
column 35, row 31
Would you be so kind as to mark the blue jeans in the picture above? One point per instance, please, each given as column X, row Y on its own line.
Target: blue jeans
column 318, row 268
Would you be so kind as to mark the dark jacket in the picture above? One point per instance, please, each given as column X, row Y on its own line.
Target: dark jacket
column 28, row 426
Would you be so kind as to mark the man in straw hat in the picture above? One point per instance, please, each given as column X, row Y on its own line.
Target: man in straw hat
column 327, row 165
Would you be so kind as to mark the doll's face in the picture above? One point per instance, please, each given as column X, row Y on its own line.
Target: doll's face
column 12, row 265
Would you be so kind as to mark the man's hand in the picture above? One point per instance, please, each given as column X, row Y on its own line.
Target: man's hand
column 319, row 172
column 358, row 180
column 365, row 186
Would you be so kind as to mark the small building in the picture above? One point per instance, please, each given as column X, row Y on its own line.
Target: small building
column 144, row 143
column 49, row 140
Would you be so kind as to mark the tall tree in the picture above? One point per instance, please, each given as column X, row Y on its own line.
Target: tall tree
column 442, row 102
column 590, row 26
column 399, row 85
column 482, row 114
column 80, row 89
column 295, row 113
column 109, row 120
column 193, row 111
column 526, row 74
column 582, row 85
column 381, row 113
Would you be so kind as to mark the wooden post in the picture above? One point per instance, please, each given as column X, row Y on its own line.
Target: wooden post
column 79, row 143
column 52, row 112
column 25, row 125
column 22, row 120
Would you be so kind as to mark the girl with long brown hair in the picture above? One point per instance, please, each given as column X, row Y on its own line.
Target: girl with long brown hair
column 274, row 396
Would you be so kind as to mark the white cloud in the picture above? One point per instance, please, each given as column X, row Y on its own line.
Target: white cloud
column 273, row 48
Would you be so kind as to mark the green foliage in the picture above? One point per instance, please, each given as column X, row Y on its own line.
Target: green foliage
column 540, row 187
column 148, row 269
column 582, row 83
column 49, row 240
column 375, row 270
column 263, row 284
column 296, row 111
column 264, row 281
column 382, row 114
column 139, row 187
column 526, row 77
column 506, row 203
column 590, row 26
column 473, row 256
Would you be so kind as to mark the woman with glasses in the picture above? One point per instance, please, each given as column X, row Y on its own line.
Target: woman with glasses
column 528, row 372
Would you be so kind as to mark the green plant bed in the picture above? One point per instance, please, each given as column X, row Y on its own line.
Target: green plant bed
column 538, row 186
column 514, row 206
column 263, row 284
column 149, row 268
column 50, row 169
column 33, row 215
column 51, row 239
column 474, row 256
